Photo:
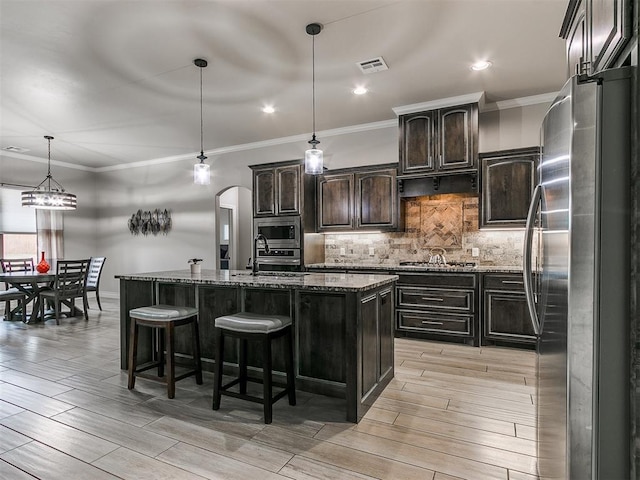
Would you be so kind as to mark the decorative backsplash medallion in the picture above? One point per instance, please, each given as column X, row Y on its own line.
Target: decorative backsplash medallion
column 448, row 221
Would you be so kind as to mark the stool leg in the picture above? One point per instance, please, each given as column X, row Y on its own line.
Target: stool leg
column 159, row 340
column 291, row 379
column 196, row 351
column 217, row 384
column 133, row 352
column 171, row 368
column 266, row 379
column 243, row 366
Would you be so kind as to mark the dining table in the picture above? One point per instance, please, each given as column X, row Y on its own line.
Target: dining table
column 31, row 283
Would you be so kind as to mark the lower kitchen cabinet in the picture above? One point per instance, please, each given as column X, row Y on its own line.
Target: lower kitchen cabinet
column 505, row 314
column 437, row 306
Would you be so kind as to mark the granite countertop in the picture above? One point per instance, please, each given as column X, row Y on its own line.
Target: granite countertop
column 336, row 282
column 414, row 268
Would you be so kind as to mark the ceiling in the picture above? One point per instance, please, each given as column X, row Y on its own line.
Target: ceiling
column 114, row 81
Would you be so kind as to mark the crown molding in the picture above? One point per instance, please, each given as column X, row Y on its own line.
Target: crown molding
column 31, row 158
column 520, row 102
column 477, row 97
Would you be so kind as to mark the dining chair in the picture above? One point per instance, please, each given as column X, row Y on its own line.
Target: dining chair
column 11, row 293
column 93, row 276
column 70, row 283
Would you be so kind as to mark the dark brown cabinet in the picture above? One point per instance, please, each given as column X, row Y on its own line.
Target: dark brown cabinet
column 508, row 179
column 335, row 202
column 608, row 29
column 596, row 33
column 277, row 190
column 576, row 43
column 437, row 306
column 439, row 141
column 358, row 199
column 377, row 338
column 505, row 318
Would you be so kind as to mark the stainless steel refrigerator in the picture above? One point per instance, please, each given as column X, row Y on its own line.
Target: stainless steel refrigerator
column 577, row 277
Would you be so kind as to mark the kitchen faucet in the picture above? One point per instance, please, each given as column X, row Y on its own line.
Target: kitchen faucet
column 259, row 237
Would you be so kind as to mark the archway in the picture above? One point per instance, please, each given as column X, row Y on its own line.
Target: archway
column 234, row 215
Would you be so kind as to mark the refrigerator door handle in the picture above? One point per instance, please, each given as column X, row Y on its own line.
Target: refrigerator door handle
column 526, row 258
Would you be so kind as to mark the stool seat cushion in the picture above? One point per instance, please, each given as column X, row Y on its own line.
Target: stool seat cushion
column 252, row 322
column 163, row 312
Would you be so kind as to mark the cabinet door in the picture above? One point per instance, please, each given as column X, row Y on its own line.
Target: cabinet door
column 370, row 353
column 417, row 146
column 608, row 29
column 264, row 189
column 508, row 180
column 376, row 199
column 576, row 45
column 385, row 331
column 506, row 317
column 335, row 202
column 288, row 190
column 457, row 137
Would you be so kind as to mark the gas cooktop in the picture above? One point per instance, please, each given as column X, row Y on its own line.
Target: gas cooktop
column 439, row 265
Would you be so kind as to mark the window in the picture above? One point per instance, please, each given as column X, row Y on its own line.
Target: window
column 18, row 237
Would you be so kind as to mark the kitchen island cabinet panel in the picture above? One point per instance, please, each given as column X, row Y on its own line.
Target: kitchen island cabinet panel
column 321, row 336
column 342, row 324
column 215, row 302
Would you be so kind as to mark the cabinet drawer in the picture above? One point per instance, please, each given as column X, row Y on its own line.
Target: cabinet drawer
column 446, row 280
column 503, row 282
column 435, row 322
column 435, row 298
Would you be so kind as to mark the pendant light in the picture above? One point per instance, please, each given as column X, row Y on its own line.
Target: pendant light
column 313, row 161
column 201, row 170
column 48, row 197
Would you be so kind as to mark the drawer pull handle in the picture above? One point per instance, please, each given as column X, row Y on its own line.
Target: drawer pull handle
column 429, row 322
column 515, row 282
column 433, row 299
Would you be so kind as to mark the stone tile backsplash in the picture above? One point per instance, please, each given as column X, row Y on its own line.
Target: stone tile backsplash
column 445, row 221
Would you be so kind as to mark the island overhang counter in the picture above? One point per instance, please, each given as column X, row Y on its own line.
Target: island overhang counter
column 343, row 324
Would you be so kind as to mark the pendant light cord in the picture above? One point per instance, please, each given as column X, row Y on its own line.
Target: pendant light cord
column 49, row 166
column 201, row 122
column 313, row 83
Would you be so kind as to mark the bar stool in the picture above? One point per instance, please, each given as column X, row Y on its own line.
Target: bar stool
column 252, row 326
column 165, row 317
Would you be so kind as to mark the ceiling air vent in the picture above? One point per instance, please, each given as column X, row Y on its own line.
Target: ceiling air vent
column 12, row 148
column 374, row 65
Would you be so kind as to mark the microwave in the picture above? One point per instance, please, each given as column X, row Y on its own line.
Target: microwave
column 280, row 232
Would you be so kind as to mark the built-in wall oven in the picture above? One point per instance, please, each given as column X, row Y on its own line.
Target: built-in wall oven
column 284, row 238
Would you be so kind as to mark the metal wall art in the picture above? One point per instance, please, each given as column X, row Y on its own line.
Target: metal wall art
column 148, row 222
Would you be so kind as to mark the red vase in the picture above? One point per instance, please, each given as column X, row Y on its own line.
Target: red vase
column 43, row 266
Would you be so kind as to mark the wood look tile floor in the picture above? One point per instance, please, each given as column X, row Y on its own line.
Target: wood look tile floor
column 451, row 412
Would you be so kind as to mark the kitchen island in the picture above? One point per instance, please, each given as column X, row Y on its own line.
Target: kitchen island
column 343, row 323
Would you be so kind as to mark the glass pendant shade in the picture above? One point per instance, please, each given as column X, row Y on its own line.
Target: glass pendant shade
column 49, row 194
column 201, row 174
column 201, row 171
column 313, row 161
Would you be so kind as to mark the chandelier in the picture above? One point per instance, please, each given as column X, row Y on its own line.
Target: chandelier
column 49, row 194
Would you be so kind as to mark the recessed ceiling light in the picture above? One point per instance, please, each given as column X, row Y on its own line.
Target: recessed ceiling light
column 482, row 65
column 268, row 109
column 360, row 90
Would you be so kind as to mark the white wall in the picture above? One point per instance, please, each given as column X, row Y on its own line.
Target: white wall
column 106, row 200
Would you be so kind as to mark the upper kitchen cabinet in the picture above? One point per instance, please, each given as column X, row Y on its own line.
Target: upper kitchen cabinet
column 335, row 202
column 508, row 178
column 280, row 189
column 358, row 199
column 440, row 141
column 596, row 32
